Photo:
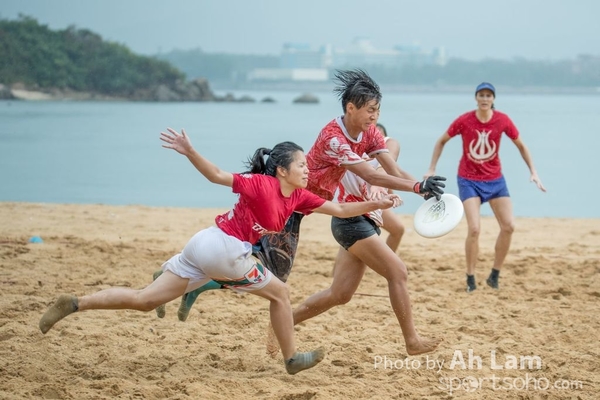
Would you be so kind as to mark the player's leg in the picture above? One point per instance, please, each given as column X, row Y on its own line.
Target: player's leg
column 395, row 227
column 275, row 251
column 472, row 208
column 165, row 288
column 503, row 211
column 381, row 259
column 188, row 299
column 283, row 326
column 347, row 274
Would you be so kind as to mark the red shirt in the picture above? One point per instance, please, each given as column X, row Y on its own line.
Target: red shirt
column 481, row 144
column 333, row 149
column 261, row 208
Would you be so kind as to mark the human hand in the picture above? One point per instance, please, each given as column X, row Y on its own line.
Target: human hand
column 375, row 192
column 389, row 201
column 430, row 172
column 535, row 179
column 431, row 187
column 179, row 143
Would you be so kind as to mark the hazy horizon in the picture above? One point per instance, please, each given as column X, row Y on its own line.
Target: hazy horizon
column 467, row 29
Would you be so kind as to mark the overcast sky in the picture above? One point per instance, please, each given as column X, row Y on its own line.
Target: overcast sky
column 534, row 29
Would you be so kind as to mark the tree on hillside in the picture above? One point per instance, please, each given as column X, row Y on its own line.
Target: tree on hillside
column 76, row 59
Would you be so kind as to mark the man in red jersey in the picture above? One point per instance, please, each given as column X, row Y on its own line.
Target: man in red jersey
column 480, row 176
column 338, row 149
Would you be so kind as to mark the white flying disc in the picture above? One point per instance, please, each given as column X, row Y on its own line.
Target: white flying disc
column 436, row 218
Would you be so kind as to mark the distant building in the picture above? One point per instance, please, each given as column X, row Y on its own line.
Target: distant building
column 296, row 55
column 362, row 53
column 300, row 63
column 288, row 75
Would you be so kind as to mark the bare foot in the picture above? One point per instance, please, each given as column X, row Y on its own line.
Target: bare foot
column 272, row 344
column 422, row 346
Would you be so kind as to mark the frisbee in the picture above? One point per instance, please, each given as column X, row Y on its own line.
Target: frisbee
column 437, row 218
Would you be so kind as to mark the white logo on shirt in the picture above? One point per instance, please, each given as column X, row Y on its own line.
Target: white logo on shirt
column 482, row 150
column 261, row 231
column 339, row 151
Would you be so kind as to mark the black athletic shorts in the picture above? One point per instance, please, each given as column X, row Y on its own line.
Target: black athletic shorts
column 348, row 231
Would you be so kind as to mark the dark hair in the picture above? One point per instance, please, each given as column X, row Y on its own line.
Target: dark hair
column 356, row 87
column 282, row 155
column 382, row 129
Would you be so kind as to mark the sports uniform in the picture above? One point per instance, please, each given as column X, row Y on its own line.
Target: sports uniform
column 480, row 170
column 224, row 253
column 333, row 149
column 353, row 188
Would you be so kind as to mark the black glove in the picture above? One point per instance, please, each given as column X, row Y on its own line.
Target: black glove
column 431, row 187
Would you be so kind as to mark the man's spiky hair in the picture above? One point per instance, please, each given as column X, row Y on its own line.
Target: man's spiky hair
column 355, row 86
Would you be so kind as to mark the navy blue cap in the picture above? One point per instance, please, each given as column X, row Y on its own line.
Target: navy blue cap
column 486, row 85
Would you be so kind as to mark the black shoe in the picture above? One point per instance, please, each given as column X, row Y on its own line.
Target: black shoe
column 492, row 282
column 471, row 285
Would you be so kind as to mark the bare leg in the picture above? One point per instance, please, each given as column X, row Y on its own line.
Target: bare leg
column 386, row 263
column 502, row 207
column 347, row 274
column 283, row 326
column 472, row 207
column 392, row 224
column 281, row 314
column 164, row 289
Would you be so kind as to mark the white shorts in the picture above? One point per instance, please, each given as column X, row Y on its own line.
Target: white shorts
column 211, row 254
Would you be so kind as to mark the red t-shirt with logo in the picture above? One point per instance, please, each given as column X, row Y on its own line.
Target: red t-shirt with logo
column 261, row 208
column 481, row 144
column 333, row 149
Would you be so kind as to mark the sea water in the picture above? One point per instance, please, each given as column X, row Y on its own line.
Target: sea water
column 110, row 152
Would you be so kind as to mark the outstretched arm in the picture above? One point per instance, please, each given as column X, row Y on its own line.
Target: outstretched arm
column 347, row 210
column 528, row 160
column 181, row 144
column 432, row 186
column 437, row 152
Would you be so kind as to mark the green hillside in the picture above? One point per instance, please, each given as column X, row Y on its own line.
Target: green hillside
column 76, row 59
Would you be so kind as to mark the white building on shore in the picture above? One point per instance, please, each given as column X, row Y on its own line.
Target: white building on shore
column 300, row 63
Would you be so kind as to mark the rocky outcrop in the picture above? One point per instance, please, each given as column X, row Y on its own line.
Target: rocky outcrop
column 306, row 98
column 5, row 93
column 196, row 90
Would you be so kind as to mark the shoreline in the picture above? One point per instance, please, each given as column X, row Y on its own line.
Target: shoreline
column 68, row 95
column 412, row 89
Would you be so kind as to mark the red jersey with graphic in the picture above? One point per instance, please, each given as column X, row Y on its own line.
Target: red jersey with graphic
column 481, row 144
column 333, row 149
column 261, row 208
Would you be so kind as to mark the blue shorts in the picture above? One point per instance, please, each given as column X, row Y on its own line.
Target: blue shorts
column 485, row 190
column 348, row 231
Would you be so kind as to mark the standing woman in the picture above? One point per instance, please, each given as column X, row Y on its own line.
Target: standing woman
column 480, row 176
column 268, row 195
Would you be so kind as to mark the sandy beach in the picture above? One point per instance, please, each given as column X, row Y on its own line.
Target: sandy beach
column 544, row 315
